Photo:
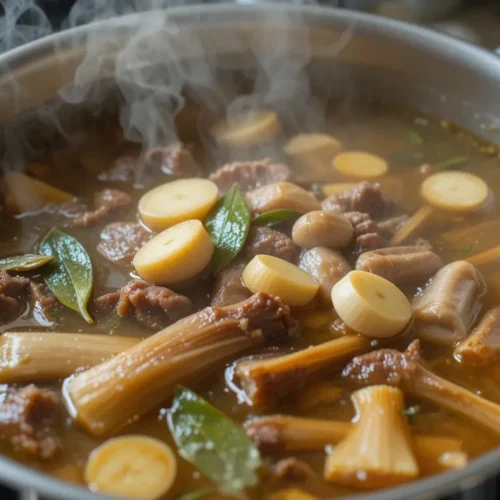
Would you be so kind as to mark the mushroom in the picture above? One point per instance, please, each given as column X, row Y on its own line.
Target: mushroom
column 104, row 398
column 377, row 451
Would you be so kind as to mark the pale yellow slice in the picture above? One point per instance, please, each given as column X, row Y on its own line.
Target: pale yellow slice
column 177, row 201
column 371, row 305
column 455, row 191
column 275, row 276
column 360, row 165
column 25, row 194
column 313, row 150
column 175, row 255
column 138, row 467
column 247, row 129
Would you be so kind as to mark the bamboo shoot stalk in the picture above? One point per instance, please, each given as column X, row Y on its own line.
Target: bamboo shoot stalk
column 263, row 380
column 283, row 434
column 486, row 258
column 106, row 397
column 415, row 224
column 427, row 385
column 377, row 451
column 47, row 356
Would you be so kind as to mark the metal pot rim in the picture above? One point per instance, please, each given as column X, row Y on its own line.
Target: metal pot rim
column 25, row 478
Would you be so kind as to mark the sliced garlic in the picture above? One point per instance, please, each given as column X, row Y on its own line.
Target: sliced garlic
column 132, row 467
column 177, row 201
column 247, row 129
column 359, row 164
column 371, row 305
column 175, row 255
column 265, row 273
column 455, row 191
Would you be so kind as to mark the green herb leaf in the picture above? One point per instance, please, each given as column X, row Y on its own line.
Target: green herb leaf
column 196, row 494
column 411, row 412
column 468, row 249
column 455, row 161
column 26, row 262
column 411, row 136
column 70, row 277
column 220, row 450
column 228, row 224
column 274, row 217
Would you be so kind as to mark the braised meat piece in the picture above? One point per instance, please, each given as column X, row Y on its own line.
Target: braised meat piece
column 28, row 418
column 42, row 301
column 174, row 160
column 229, row 288
column 389, row 227
column 12, row 296
column 366, row 233
column 249, row 175
column 385, row 366
column 106, row 202
column 267, row 241
column 401, row 265
column 122, row 169
column 120, row 241
column 364, row 197
column 153, row 306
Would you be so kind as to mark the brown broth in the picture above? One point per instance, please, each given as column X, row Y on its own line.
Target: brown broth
column 377, row 131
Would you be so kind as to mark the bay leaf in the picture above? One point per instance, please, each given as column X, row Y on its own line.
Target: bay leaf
column 26, row 262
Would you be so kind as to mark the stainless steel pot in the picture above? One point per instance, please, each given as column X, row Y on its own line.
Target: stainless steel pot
column 372, row 56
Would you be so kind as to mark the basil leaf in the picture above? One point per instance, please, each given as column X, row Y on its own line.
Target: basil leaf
column 228, row 224
column 26, row 262
column 196, row 494
column 219, row 449
column 274, row 217
column 451, row 162
column 70, row 277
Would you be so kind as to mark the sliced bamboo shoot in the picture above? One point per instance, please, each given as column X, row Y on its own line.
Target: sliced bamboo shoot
column 285, row 434
column 104, row 398
column 263, row 380
column 360, row 165
column 377, row 451
column 25, row 194
column 414, row 226
column 46, row 356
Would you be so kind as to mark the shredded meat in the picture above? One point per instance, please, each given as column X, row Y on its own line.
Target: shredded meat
column 385, row 366
column 366, row 233
column 292, row 469
column 12, row 296
column 267, row 241
column 42, row 300
column 28, row 418
column 106, row 202
column 250, row 175
column 363, row 197
column 120, row 241
column 229, row 288
column 153, row 306
column 174, row 160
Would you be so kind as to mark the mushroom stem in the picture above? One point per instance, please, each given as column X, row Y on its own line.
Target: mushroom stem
column 263, row 380
column 377, row 451
column 428, row 385
column 283, row 434
column 106, row 397
column 44, row 356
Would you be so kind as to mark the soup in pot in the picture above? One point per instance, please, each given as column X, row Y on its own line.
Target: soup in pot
column 306, row 325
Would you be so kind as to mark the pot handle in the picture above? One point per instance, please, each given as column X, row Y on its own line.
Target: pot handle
column 29, row 494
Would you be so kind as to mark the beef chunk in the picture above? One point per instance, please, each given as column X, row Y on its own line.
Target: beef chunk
column 292, row 469
column 174, row 160
column 250, row 175
column 364, row 197
column 389, row 227
column 12, row 296
column 366, row 233
column 385, row 366
column 153, row 306
column 28, row 418
column 106, row 202
column 120, row 241
column 122, row 169
column 229, row 288
column 267, row 241
column 42, row 301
